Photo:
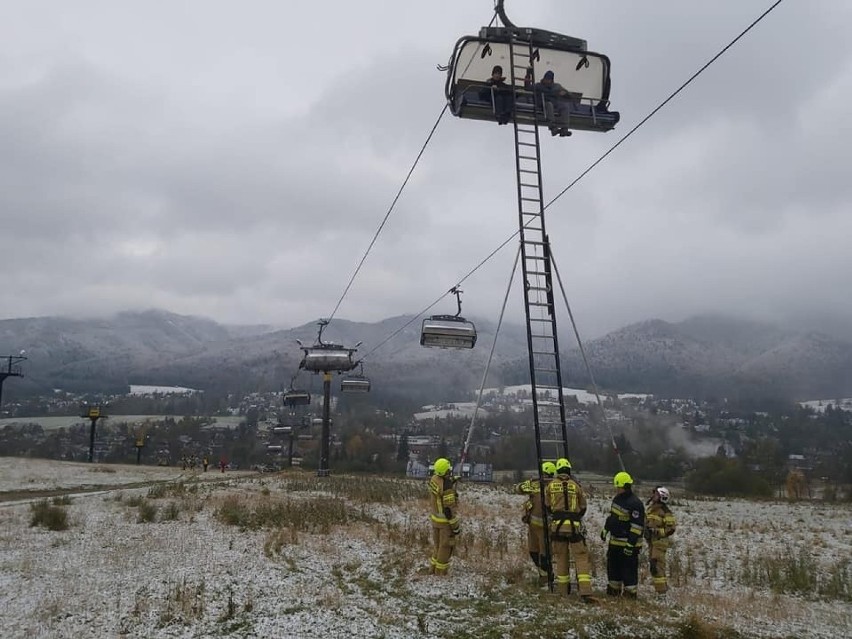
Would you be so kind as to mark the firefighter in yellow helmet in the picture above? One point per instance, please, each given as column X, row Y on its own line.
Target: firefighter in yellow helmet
column 534, row 518
column 625, row 526
column 566, row 503
column 445, row 521
column 660, row 525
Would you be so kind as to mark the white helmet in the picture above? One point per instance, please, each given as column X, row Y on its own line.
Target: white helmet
column 663, row 494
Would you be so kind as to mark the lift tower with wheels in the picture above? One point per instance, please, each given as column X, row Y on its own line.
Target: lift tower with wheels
column 12, row 369
column 327, row 358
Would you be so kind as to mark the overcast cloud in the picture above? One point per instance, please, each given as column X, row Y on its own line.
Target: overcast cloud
column 233, row 160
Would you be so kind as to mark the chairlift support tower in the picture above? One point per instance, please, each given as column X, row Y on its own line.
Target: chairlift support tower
column 92, row 412
column 13, row 368
column 327, row 358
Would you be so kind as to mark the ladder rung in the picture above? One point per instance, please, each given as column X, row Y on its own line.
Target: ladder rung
column 527, row 157
column 535, row 257
column 534, row 242
column 548, row 353
column 531, row 186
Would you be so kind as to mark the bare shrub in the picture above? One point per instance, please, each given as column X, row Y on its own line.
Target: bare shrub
column 147, row 513
column 47, row 516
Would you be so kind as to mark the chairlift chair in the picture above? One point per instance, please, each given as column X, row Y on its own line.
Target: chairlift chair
column 448, row 331
column 325, row 357
column 584, row 74
column 293, row 398
column 357, row 383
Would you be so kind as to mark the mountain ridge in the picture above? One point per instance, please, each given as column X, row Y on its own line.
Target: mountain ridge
column 699, row 356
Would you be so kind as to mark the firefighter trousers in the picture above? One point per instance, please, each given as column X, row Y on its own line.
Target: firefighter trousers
column 443, row 543
column 658, row 567
column 563, row 551
column 622, row 572
column 536, row 548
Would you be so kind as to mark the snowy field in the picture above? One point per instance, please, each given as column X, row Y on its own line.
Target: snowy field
column 290, row 555
column 53, row 422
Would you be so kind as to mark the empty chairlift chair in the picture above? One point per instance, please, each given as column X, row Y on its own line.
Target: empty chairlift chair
column 448, row 331
column 357, row 383
column 294, row 397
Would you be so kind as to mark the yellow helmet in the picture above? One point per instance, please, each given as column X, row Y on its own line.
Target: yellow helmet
column 622, row 479
column 442, row 466
column 548, row 468
column 562, row 464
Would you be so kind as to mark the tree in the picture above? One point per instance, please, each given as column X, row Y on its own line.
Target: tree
column 402, row 451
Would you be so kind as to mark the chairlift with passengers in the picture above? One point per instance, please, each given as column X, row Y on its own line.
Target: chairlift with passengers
column 358, row 383
column 325, row 357
column 526, row 55
column 295, row 397
column 448, row 331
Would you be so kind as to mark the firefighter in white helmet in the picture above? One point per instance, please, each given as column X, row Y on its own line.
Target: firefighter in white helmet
column 660, row 525
column 445, row 521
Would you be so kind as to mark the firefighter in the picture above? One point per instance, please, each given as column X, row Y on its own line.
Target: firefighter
column 659, row 527
column 625, row 526
column 534, row 518
column 445, row 522
column 566, row 503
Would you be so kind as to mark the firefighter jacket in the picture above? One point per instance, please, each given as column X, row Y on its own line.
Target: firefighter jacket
column 442, row 492
column 660, row 524
column 566, row 501
column 626, row 520
column 533, row 507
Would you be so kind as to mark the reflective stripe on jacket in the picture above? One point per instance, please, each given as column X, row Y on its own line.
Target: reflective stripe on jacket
column 567, row 503
column 626, row 520
column 533, row 506
column 660, row 523
column 444, row 499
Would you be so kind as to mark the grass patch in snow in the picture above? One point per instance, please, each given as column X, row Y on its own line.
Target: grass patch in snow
column 43, row 514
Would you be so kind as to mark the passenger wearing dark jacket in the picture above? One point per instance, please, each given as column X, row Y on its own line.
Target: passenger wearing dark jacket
column 558, row 102
column 499, row 94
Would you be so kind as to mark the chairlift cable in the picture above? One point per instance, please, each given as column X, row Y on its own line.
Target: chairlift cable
column 490, row 357
column 663, row 103
column 394, row 201
column 587, row 171
column 435, row 303
column 586, row 362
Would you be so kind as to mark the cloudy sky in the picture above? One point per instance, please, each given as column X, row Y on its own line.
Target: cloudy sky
column 233, row 160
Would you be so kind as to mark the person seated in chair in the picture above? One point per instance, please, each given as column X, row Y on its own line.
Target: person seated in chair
column 496, row 86
column 558, row 102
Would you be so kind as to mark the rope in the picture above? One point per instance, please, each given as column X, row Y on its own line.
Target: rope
column 399, row 193
column 593, row 165
column 586, row 362
column 488, row 364
column 664, row 102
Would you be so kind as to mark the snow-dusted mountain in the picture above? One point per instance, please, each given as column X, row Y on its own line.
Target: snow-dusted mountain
column 700, row 356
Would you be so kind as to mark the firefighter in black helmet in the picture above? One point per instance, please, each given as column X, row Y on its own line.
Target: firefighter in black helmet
column 625, row 525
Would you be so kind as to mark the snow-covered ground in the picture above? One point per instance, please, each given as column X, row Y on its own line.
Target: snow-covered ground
column 351, row 560
column 582, row 396
column 819, row 405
